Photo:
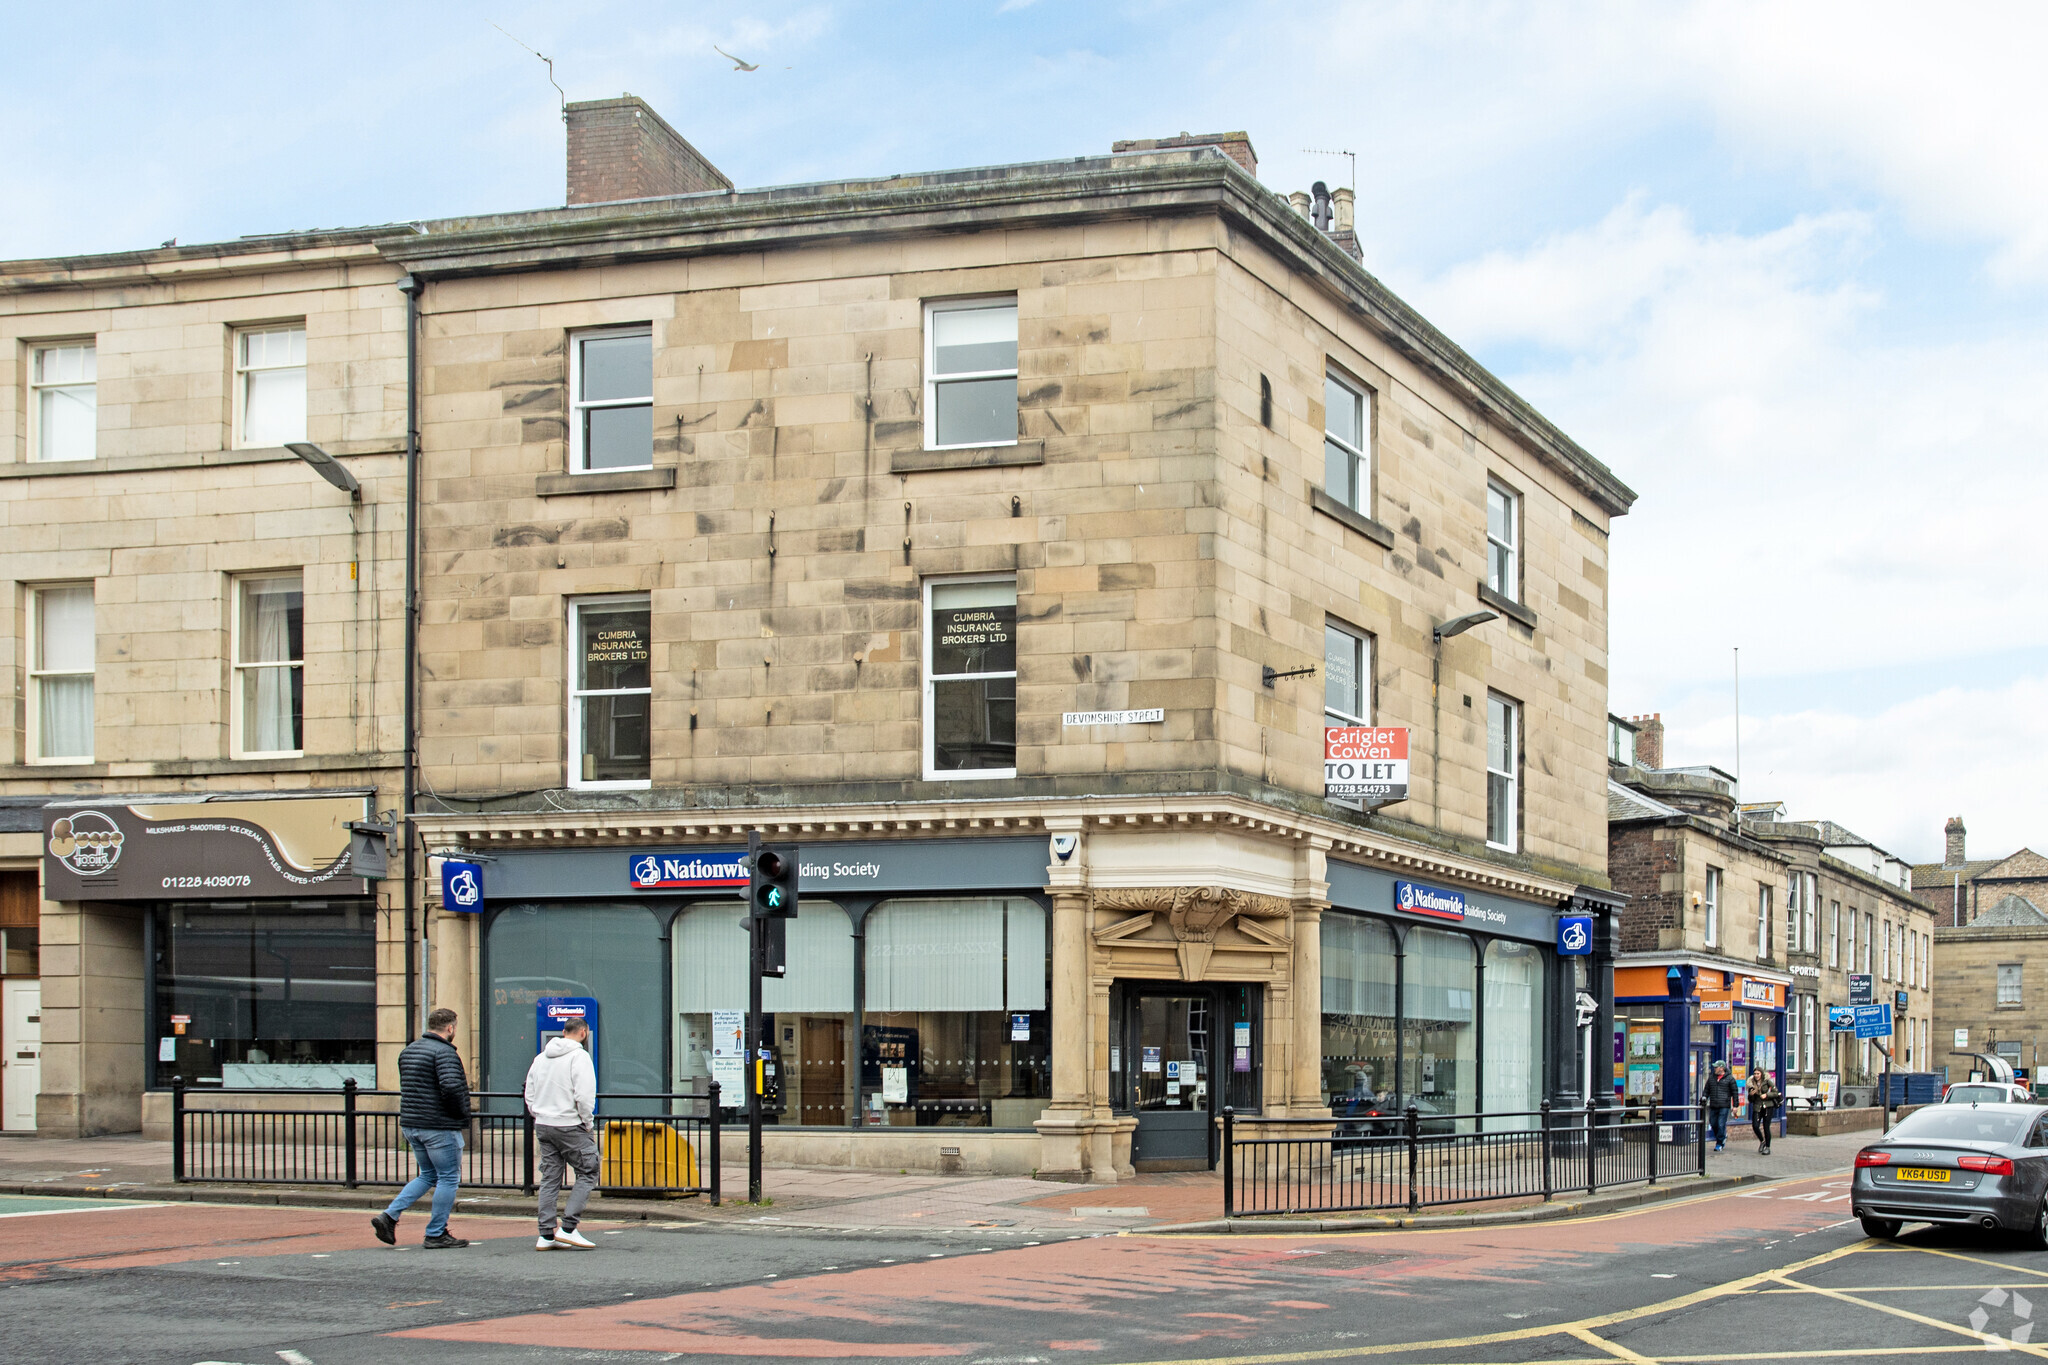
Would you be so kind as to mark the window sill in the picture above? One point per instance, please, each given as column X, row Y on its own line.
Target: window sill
column 124, row 464
column 1507, row 606
column 1352, row 518
column 967, row 457
column 639, row 785
column 605, row 481
column 203, row 767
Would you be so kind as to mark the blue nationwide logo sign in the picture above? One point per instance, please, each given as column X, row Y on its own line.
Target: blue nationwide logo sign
column 1434, row 901
column 685, row 871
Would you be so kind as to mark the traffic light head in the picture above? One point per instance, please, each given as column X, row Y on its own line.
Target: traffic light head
column 772, row 883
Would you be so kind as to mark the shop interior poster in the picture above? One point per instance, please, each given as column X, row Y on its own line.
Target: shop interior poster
column 728, row 1054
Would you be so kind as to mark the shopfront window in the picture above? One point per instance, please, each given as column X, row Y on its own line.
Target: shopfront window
column 1359, row 1015
column 809, row 1027
column 1514, row 1027
column 264, row 993
column 610, row 952
column 955, row 1032
column 1439, row 1010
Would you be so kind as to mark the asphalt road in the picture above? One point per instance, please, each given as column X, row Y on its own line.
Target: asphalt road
column 1771, row 1274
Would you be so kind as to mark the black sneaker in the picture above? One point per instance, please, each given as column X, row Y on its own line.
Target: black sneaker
column 444, row 1240
column 386, row 1228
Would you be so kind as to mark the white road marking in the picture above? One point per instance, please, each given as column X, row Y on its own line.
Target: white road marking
column 291, row 1357
column 96, row 1208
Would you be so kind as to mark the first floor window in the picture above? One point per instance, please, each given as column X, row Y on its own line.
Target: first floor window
column 1834, row 933
column 60, row 673
column 63, row 401
column 270, row 386
column 1710, row 907
column 1809, row 911
column 2008, row 983
column 971, row 678
column 1763, row 921
column 270, row 664
column 1503, row 771
column 610, row 691
column 611, row 380
column 970, row 368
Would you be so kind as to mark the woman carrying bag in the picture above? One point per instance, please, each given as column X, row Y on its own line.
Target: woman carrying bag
column 1764, row 1100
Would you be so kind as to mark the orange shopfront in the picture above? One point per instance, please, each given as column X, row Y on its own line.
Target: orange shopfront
column 1674, row 1019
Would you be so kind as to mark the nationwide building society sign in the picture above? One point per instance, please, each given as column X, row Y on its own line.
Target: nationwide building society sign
column 1365, row 763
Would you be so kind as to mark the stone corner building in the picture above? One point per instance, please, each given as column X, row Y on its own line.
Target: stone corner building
column 1006, row 538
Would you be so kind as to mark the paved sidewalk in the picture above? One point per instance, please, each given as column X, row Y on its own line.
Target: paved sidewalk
column 847, row 1200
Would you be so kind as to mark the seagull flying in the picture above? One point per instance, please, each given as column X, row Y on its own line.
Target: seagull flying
column 737, row 64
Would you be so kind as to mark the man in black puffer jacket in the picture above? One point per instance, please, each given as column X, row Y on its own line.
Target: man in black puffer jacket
column 433, row 1113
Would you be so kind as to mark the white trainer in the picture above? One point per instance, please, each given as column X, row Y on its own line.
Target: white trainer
column 546, row 1244
column 566, row 1237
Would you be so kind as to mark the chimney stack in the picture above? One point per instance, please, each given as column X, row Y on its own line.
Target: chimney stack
column 1237, row 146
column 1343, row 202
column 1954, row 830
column 622, row 149
column 1649, row 739
column 1298, row 201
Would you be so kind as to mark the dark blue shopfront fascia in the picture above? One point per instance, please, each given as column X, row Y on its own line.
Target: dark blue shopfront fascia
column 1373, row 892
column 621, row 901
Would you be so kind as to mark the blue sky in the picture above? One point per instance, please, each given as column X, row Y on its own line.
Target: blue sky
column 1782, row 267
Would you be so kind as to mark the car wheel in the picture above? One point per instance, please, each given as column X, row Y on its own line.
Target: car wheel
column 1884, row 1229
column 2037, row 1237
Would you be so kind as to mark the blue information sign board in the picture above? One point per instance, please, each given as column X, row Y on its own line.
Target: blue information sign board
column 1873, row 1021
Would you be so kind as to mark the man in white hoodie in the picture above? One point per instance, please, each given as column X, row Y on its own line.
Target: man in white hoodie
column 561, row 1094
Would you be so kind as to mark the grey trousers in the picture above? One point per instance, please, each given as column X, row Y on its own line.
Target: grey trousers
column 559, row 1147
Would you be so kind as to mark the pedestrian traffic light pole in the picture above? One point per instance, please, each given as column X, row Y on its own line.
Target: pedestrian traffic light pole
column 771, row 900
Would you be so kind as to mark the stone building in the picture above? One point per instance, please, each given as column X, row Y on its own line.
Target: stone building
column 1990, row 986
column 1959, row 889
column 200, row 630
column 1008, row 539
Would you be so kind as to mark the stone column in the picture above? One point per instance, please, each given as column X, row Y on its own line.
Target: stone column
column 1064, row 1127
column 1312, row 897
column 92, row 1030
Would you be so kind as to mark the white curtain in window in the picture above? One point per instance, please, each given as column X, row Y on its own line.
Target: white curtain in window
column 1358, row 966
column 949, row 955
column 1513, row 1081
column 711, row 961
column 64, row 644
column 269, row 698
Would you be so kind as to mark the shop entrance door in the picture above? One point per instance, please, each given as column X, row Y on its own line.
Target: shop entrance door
column 1174, row 1042
column 21, row 1033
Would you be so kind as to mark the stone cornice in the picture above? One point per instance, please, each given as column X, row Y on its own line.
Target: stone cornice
column 1220, row 812
column 167, row 265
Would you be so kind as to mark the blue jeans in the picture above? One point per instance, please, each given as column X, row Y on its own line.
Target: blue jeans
column 439, row 1152
column 1717, row 1125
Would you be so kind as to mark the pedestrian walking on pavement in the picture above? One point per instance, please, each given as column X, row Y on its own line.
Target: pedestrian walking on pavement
column 1718, row 1097
column 561, row 1094
column 433, row 1114
column 1763, row 1107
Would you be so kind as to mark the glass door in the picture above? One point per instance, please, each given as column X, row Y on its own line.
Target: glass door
column 1186, row 1051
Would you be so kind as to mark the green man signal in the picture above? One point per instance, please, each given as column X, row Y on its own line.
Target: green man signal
column 771, row 889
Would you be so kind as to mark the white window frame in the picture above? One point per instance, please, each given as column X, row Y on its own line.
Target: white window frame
column 1710, row 909
column 34, row 738
column 37, row 387
column 1809, row 912
column 1364, row 664
column 572, row 747
column 1361, row 454
column 236, row 719
column 933, row 382
column 579, row 457
column 1510, row 585
column 1834, row 933
column 1763, row 921
column 2018, row 983
column 1513, row 775
column 236, row 350
column 929, row 721
column 1886, row 972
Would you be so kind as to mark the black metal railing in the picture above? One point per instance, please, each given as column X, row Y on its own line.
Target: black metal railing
column 649, row 1143
column 1341, row 1165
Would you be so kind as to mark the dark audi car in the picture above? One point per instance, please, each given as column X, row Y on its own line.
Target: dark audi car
column 1981, row 1165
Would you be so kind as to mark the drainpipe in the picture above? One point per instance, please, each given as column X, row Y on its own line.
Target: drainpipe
column 415, row 992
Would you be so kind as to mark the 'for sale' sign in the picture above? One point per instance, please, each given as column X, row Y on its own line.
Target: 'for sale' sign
column 1365, row 763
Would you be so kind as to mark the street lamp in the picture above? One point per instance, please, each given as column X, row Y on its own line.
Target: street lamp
column 1457, row 625
column 327, row 467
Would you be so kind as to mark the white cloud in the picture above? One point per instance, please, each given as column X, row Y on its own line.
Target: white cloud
column 1897, row 776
